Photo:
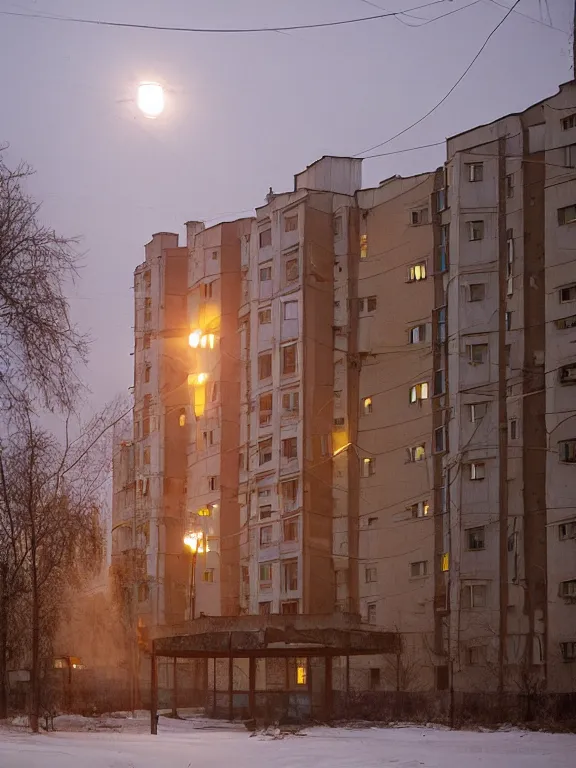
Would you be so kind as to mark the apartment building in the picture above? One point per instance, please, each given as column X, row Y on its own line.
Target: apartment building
column 297, row 546
column 510, row 493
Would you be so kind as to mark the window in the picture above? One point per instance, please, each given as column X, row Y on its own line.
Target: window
column 475, row 538
column 147, row 374
column 147, row 340
column 475, row 230
column 301, row 671
column 568, row 122
column 445, row 562
column 339, row 422
column 417, row 334
column 417, row 272
column 266, row 536
column 363, row 246
column 208, row 576
column 570, row 156
column 265, row 238
column 265, row 511
column 418, row 569
column 474, row 596
column 420, row 509
column 264, row 609
column 567, row 374
column 440, row 200
column 418, row 217
column 291, row 223
column 147, row 279
column 439, row 382
column 265, row 274
column 265, row 409
column 371, row 614
column 567, row 215
column 416, row 453
column 508, row 321
column 290, row 529
column 440, row 315
column 568, row 588
column 510, row 185
column 568, row 650
column 182, row 418
column 370, row 574
column 567, row 451
column 477, row 655
column 567, row 531
column 265, row 572
column 367, row 304
column 477, row 353
column 290, row 448
column 143, row 593
column 207, row 290
column 213, row 483
column 477, row 470
column 290, row 403
column 265, row 316
column 214, row 392
column 147, row 309
column 146, row 456
column 290, row 310
column 289, row 493
column 442, row 251
column 475, row 171
column 288, row 359
column 367, row 405
column 514, row 429
column 510, row 262
column 292, row 271
column 439, row 440
column 477, row 411
column 418, row 392
column 371, row 521
column 566, row 322
column 265, row 451
column 337, row 226
column 477, row 292
column 265, row 365
column 290, row 575
column 367, row 466
column 567, row 294
column 507, row 352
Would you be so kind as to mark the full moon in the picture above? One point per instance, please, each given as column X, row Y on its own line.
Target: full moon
column 150, row 99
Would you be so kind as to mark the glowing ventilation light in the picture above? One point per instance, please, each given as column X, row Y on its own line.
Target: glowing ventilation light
column 150, row 99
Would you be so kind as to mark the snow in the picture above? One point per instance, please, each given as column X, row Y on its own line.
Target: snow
column 202, row 744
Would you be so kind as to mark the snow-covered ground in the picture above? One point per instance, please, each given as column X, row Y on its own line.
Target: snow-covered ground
column 182, row 744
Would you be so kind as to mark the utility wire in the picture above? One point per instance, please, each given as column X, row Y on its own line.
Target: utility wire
column 220, row 30
column 453, row 88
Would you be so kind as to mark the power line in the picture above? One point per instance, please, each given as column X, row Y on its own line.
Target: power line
column 453, row 88
column 219, row 30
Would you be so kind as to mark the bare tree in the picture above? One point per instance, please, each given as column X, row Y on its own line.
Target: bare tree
column 39, row 345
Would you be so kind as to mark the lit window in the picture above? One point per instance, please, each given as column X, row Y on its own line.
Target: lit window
column 208, row 576
column 182, row 418
column 477, row 471
column 475, row 538
column 417, row 272
column 475, row 171
column 477, row 291
column 363, row 246
column 417, row 334
column 416, row 453
column 420, row 509
column 419, row 392
column 367, row 467
column 418, row 569
column 290, row 223
column 367, row 405
column 445, row 562
column 567, row 451
column 265, row 316
column 265, row 238
column 475, row 230
column 301, row 671
column 370, row 574
column 477, row 353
